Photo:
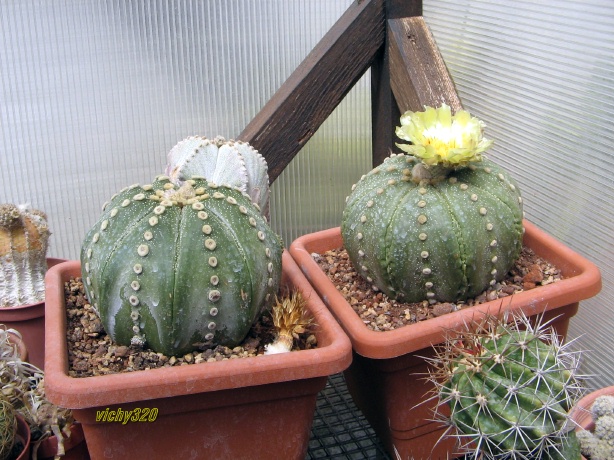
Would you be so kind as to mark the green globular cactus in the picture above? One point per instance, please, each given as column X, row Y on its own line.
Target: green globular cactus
column 599, row 444
column 222, row 162
column 180, row 267
column 439, row 224
column 8, row 429
column 24, row 239
column 509, row 388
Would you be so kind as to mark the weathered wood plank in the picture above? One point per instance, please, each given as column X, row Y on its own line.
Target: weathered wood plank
column 418, row 74
column 294, row 113
column 403, row 8
column 384, row 110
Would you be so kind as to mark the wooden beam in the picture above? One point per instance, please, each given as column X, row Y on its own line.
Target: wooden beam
column 318, row 85
column 384, row 110
column 403, row 8
column 418, row 74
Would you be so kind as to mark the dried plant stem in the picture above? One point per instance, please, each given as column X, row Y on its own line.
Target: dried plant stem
column 22, row 386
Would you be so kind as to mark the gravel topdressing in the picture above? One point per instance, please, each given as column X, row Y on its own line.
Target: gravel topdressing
column 91, row 351
column 380, row 313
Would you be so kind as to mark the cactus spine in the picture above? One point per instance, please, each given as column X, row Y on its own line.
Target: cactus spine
column 178, row 267
column 8, row 429
column 509, row 387
column 439, row 225
column 24, row 238
column 222, row 162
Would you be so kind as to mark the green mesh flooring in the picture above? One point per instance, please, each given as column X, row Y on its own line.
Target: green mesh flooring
column 339, row 429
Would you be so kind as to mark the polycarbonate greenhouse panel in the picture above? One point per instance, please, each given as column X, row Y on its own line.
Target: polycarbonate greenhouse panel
column 541, row 75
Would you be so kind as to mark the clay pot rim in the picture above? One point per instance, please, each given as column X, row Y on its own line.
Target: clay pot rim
column 333, row 355
column 23, row 432
column 581, row 414
column 583, row 281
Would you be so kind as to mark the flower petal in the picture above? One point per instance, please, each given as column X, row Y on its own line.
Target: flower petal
column 438, row 137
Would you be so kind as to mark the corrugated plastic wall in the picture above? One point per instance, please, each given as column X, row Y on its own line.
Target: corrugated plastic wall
column 93, row 95
column 541, row 75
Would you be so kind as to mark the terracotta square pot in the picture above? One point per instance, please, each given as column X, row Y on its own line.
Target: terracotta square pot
column 258, row 407
column 385, row 376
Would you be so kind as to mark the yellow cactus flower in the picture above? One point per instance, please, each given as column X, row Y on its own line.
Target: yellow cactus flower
column 440, row 138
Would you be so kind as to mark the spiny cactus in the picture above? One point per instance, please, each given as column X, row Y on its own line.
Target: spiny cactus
column 509, row 387
column 222, row 162
column 440, row 224
column 290, row 318
column 599, row 444
column 24, row 239
column 8, row 429
column 178, row 267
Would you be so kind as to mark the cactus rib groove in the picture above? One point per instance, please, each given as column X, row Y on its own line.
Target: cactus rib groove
column 442, row 240
column 180, row 267
column 24, row 239
column 222, row 162
column 509, row 387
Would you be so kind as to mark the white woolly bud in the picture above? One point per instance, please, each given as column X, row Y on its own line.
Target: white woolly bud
column 276, row 348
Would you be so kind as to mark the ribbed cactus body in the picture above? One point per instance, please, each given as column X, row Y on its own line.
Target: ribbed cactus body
column 441, row 240
column 174, row 267
column 223, row 162
column 24, row 239
column 509, row 392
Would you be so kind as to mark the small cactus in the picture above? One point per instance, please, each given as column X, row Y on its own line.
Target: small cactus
column 290, row 318
column 599, row 444
column 180, row 267
column 509, row 387
column 222, row 162
column 440, row 224
column 24, row 239
column 8, row 429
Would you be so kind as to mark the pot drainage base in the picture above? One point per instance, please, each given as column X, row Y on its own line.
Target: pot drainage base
column 340, row 431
